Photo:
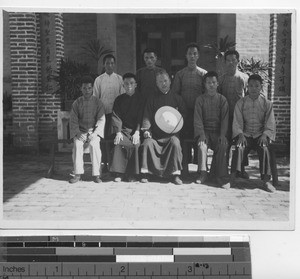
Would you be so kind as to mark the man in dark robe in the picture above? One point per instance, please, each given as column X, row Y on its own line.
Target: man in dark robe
column 161, row 152
column 125, row 126
column 146, row 76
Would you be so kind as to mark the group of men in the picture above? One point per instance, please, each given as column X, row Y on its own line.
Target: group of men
column 217, row 112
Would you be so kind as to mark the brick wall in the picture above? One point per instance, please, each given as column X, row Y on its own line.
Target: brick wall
column 24, row 72
column 51, row 50
column 282, row 110
column 272, row 54
column 280, row 39
column 252, row 35
column 7, row 111
column 59, row 29
column 35, row 53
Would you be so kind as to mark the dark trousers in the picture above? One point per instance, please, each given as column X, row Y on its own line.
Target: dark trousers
column 107, row 146
column 125, row 157
column 187, row 132
column 219, row 162
column 240, row 153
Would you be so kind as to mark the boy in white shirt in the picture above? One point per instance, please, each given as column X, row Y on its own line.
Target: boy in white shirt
column 107, row 87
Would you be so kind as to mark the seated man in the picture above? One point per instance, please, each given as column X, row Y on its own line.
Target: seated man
column 210, row 126
column 87, row 120
column 253, row 127
column 161, row 151
column 125, row 125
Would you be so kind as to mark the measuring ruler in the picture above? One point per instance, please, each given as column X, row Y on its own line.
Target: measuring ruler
column 124, row 257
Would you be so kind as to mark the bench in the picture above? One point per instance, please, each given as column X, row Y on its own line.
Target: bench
column 273, row 148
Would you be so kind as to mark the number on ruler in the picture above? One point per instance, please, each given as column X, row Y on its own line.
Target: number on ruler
column 122, row 268
column 190, row 268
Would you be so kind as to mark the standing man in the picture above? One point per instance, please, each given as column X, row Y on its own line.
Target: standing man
column 233, row 85
column 188, row 83
column 161, row 151
column 87, row 122
column 107, row 88
column 125, row 126
column 146, row 76
column 253, row 129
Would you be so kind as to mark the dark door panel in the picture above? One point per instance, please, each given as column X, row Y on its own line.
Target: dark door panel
column 169, row 37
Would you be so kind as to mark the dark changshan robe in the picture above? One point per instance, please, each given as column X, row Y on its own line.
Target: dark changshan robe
column 126, row 118
column 146, row 83
column 161, row 154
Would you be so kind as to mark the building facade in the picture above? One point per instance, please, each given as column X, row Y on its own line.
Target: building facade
column 34, row 44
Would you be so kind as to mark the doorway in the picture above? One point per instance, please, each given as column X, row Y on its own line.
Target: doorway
column 168, row 36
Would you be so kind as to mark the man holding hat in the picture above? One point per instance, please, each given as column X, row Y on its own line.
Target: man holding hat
column 163, row 118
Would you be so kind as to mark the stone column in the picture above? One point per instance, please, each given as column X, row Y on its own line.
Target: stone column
column 126, row 47
column 106, row 33
column 52, row 50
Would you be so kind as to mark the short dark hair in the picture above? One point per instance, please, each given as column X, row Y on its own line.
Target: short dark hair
column 149, row 50
column 107, row 56
column 129, row 75
column 87, row 79
column 232, row 52
column 210, row 74
column 256, row 77
column 191, row 45
column 161, row 72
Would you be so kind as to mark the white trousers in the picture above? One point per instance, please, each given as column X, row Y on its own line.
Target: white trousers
column 95, row 154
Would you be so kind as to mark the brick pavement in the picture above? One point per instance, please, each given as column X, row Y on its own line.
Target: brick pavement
column 28, row 195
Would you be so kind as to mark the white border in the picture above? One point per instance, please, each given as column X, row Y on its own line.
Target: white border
column 274, row 254
column 169, row 225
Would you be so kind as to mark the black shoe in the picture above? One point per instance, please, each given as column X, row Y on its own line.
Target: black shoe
column 223, row 183
column 75, row 179
column 97, row 179
column 104, row 168
column 131, row 178
column 119, row 177
column 176, row 180
column 145, row 178
column 267, row 185
column 242, row 174
column 202, row 177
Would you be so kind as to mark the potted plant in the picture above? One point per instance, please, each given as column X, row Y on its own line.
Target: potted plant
column 68, row 78
column 220, row 47
column 95, row 50
column 256, row 66
column 70, row 72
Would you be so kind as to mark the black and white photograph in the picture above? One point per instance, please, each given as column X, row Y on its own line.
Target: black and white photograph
column 148, row 120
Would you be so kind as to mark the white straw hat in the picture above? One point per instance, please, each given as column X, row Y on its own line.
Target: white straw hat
column 169, row 119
